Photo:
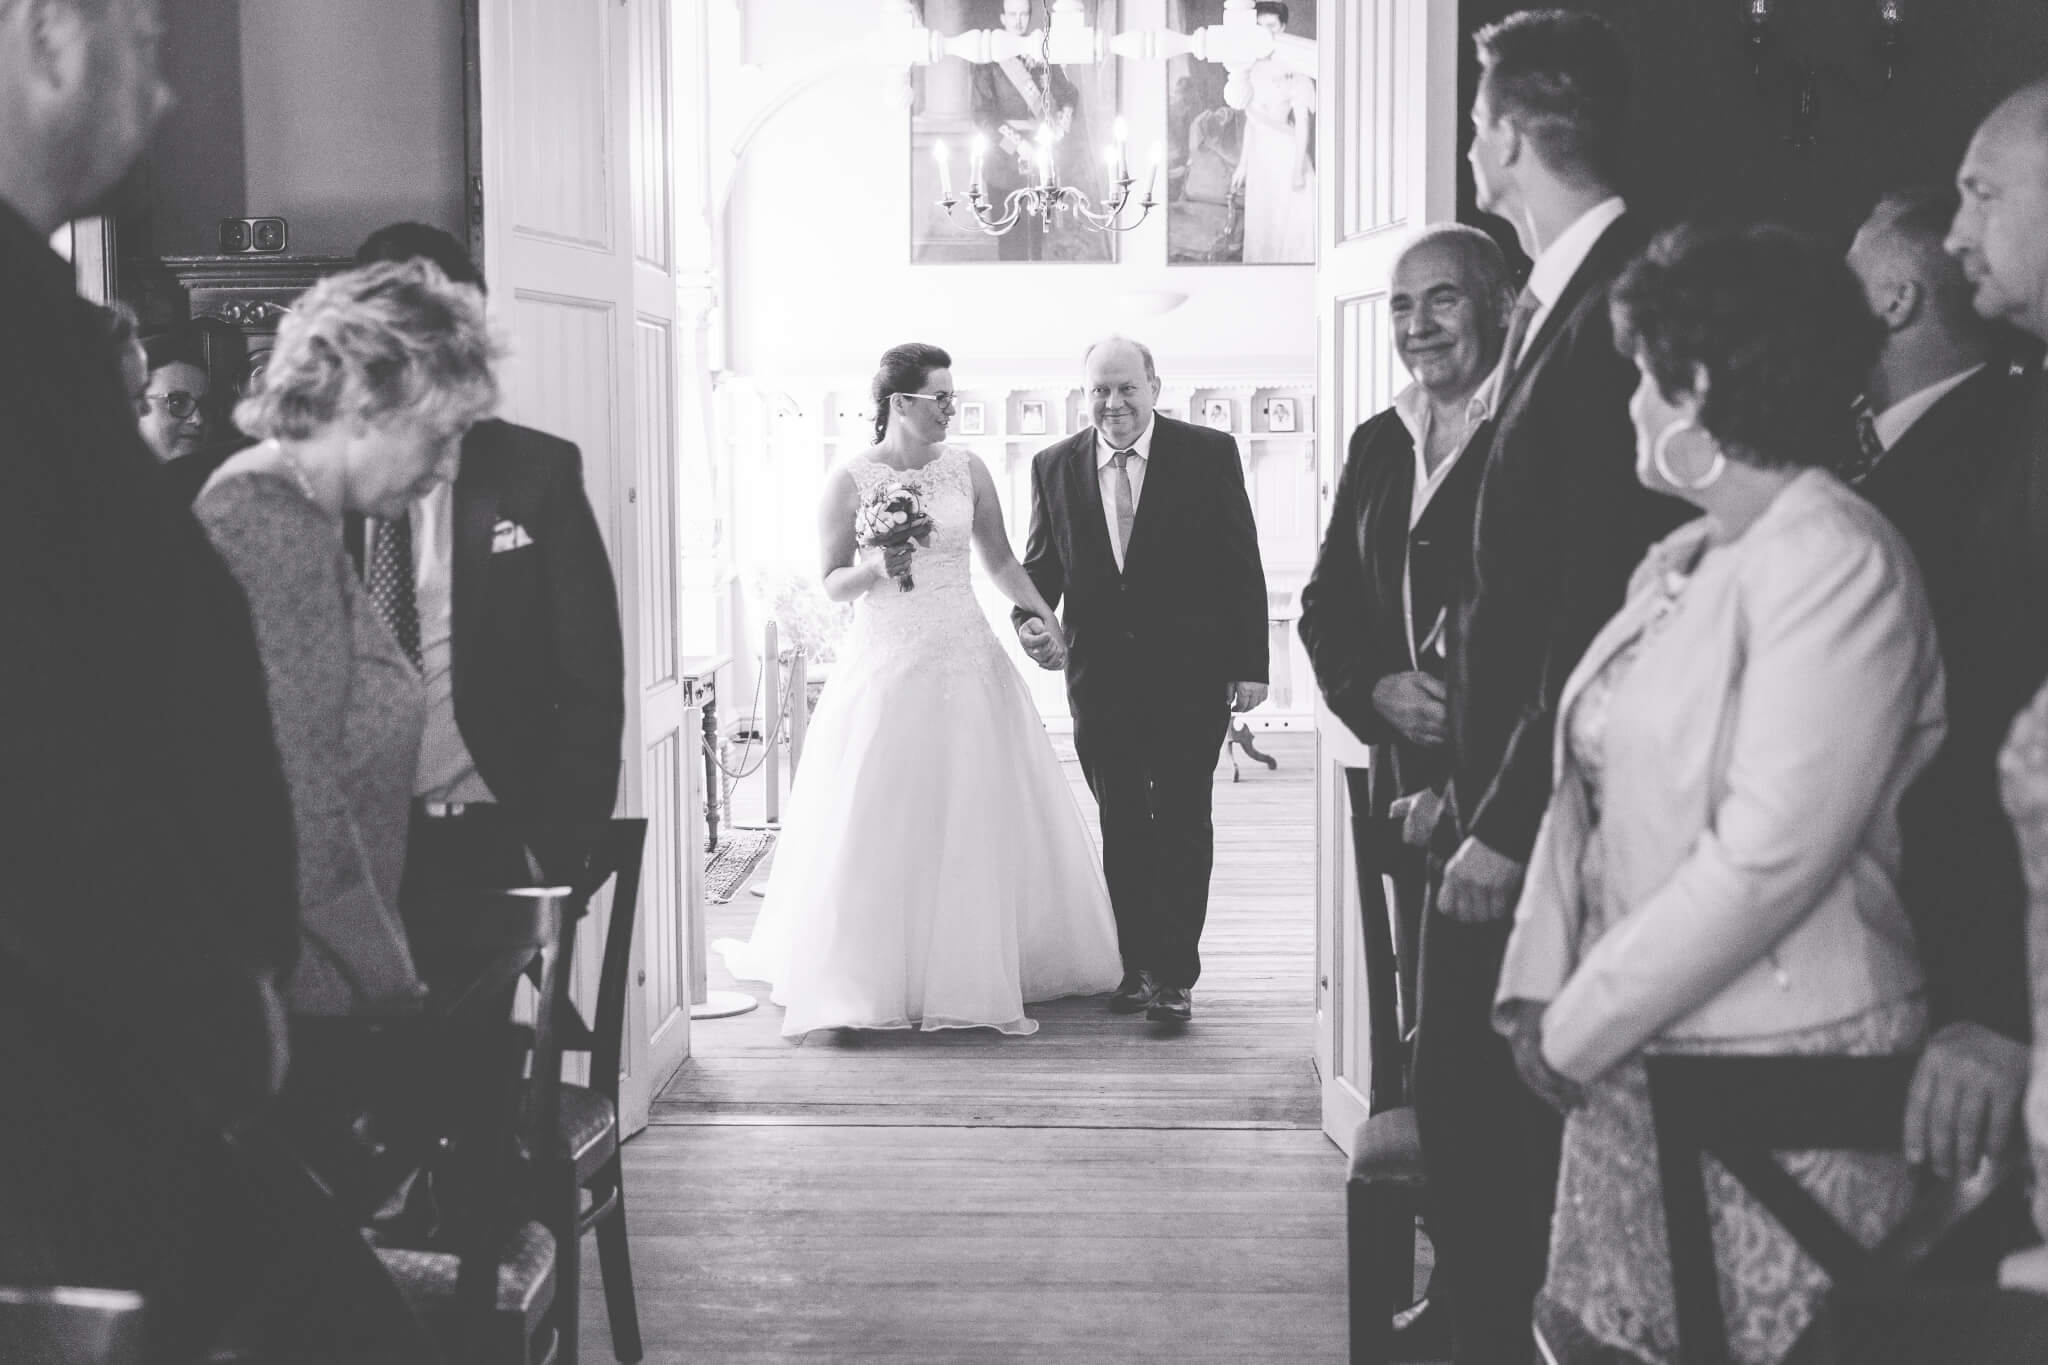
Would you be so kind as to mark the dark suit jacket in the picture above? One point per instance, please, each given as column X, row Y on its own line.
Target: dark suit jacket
column 1960, row 877
column 540, row 691
column 1354, row 620
column 1187, row 616
column 1561, row 524
column 148, row 848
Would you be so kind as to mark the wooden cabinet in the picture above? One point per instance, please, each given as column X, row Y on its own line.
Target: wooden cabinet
column 235, row 302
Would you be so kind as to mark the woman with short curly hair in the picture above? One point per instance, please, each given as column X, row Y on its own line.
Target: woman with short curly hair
column 1717, row 870
column 377, row 374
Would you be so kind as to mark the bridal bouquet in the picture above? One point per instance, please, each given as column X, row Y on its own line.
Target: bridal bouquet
column 891, row 514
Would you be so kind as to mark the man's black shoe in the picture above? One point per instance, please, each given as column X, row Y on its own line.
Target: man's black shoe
column 1134, row 994
column 1171, row 1005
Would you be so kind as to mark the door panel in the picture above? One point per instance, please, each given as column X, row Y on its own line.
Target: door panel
column 1389, row 82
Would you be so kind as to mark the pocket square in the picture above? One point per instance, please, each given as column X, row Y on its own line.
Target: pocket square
column 508, row 535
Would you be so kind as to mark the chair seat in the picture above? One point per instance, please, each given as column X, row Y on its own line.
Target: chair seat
column 526, row 1275
column 589, row 1128
column 1386, row 1150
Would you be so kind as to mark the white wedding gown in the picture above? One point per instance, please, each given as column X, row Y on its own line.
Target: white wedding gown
column 934, row 870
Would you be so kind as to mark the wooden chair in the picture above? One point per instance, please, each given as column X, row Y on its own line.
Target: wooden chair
column 1384, row 1188
column 448, row 1094
column 1741, row 1110
column 64, row 1326
column 589, row 1129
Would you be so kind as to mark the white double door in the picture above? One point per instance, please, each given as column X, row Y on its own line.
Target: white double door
column 578, row 211
column 1388, row 149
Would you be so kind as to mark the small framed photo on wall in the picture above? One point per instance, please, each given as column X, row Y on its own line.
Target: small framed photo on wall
column 1031, row 417
column 1280, row 414
column 973, row 419
column 1216, row 413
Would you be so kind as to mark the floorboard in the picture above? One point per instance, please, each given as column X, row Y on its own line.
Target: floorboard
column 1105, row 1190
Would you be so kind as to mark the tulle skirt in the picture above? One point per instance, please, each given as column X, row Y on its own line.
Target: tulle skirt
column 934, row 870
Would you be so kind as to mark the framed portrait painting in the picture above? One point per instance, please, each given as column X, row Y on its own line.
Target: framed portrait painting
column 973, row 418
column 1031, row 417
column 1280, row 414
column 1240, row 183
column 1006, row 104
column 1216, row 413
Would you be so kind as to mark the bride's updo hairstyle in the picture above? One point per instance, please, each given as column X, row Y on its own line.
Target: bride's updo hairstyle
column 904, row 370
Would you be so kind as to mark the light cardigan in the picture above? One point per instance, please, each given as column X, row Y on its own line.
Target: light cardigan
column 1754, row 755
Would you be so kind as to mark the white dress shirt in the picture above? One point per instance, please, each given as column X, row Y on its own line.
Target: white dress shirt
column 1105, row 473
column 1413, row 407
column 1895, row 421
column 446, row 771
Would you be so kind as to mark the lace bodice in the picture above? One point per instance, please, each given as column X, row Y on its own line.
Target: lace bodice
column 939, row 622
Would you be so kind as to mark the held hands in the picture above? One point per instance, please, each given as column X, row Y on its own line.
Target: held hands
column 1412, row 703
column 1964, row 1103
column 1479, row 884
column 1525, row 1039
column 1246, row 695
column 1045, row 648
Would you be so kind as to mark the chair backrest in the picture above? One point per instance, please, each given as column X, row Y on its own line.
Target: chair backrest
column 59, row 1326
column 1742, row 1110
column 620, row 848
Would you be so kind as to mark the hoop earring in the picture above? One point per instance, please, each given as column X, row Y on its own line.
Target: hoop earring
column 1660, row 456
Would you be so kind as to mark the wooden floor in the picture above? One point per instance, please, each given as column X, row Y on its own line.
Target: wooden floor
column 1106, row 1190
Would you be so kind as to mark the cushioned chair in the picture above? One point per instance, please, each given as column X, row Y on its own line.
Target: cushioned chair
column 589, row 1144
column 1743, row 1109
column 1383, row 1192
column 56, row 1326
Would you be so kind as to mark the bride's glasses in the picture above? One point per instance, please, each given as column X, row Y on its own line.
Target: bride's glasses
column 944, row 400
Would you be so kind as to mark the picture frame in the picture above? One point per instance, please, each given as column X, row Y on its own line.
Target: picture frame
column 1280, row 414
column 1031, row 417
column 1216, row 413
column 973, row 418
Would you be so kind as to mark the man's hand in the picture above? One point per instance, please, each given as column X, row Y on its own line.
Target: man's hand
column 1417, row 813
column 1041, row 644
column 1412, row 703
column 1525, row 1039
column 1964, row 1104
column 1245, row 695
column 1479, row 884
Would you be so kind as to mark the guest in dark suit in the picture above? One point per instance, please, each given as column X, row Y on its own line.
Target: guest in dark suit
column 1373, row 612
column 1932, row 442
column 1142, row 524
column 1968, row 1085
column 500, row 588
column 147, row 851
column 1561, row 523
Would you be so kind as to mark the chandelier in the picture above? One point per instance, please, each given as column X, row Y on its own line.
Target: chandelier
column 1044, row 199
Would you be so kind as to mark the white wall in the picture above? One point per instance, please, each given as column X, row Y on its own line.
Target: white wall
column 821, row 279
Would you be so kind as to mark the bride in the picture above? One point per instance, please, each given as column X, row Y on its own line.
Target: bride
column 934, row 870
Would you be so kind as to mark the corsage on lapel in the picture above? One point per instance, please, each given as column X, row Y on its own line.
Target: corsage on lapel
column 508, row 535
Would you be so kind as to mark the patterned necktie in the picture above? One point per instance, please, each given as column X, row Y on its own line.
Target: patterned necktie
column 1869, row 449
column 389, row 578
column 1126, row 505
column 1526, row 304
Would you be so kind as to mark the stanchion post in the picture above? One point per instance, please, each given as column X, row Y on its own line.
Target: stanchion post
column 771, row 703
column 799, row 708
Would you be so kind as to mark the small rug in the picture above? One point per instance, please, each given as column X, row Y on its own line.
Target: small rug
column 739, row 851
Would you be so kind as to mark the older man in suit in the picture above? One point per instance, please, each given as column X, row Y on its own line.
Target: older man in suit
column 150, row 901
column 1932, row 441
column 500, row 587
column 1561, row 523
column 1142, row 525
column 1374, row 610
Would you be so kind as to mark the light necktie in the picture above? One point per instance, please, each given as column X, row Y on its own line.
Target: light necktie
column 1526, row 304
column 389, row 578
column 1869, row 448
column 1126, row 505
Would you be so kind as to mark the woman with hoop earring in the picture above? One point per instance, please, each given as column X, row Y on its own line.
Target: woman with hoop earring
column 1717, row 869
